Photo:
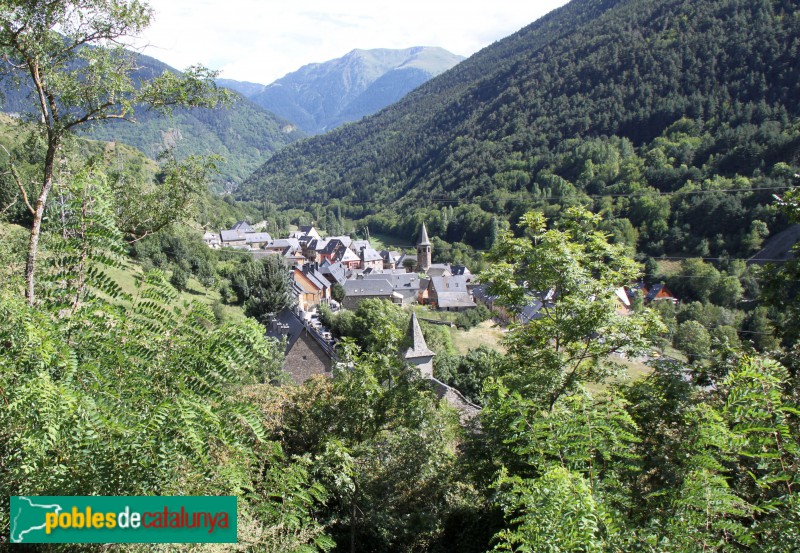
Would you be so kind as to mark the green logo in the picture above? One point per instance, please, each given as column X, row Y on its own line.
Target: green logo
column 120, row 519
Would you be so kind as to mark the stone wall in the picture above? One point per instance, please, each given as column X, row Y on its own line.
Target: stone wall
column 306, row 359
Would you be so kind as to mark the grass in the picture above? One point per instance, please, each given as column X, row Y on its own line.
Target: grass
column 13, row 242
column 381, row 241
column 423, row 312
column 668, row 267
column 635, row 369
column 126, row 276
column 486, row 334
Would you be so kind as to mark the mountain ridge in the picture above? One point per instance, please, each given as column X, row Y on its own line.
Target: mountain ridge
column 321, row 96
column 243, row 133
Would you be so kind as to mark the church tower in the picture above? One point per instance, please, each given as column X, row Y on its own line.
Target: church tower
column 418, row 354
column 423, row 250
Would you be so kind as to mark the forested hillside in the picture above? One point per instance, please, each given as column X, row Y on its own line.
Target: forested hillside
column 244, row 134
column 643, row 103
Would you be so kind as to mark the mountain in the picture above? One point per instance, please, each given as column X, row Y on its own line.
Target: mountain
column 245, row 88
column 598, row 98
column 243, row 133
column 322, row 96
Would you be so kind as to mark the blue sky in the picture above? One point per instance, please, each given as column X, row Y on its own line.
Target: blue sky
column 262, row 40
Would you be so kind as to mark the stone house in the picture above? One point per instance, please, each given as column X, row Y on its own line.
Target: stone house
column 405, row 284
column 307, row 353
column 358, row 290
column 370, row 259
column 449, row 293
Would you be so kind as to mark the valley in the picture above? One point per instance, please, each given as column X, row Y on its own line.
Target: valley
column 541, row 298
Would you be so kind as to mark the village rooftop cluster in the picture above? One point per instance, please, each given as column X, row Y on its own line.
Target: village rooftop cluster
column 317, row 264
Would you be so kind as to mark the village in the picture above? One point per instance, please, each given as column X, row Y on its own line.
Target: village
column 340, row 272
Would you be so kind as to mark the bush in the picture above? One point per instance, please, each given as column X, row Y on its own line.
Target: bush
column 179, row 279
column 693, row 339
column 472, row 317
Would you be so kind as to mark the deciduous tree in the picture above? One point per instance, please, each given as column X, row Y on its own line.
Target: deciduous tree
column 71, row 55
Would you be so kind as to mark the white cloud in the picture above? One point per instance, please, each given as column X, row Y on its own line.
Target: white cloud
column 261, row 41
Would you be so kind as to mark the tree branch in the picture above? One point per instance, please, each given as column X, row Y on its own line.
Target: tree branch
column 571, row 376
column 9, row 206
column 13, row 171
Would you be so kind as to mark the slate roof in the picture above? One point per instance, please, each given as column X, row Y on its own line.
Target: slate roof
column 368, row 255
column 439, row 270
column 284, row 243
column 411, row 256
column 312, row 272
column 404, row 281
column 348, row 255
column 318, row 245
column 289, row 325
column 531, row 312
column 331, row 246
column 479, row 292
column 243, row 226
column 357, row 245
column 368, row 287
column 423, row 237
column 418, row 346
column 451, row 291
column 333, row 271
column 257, row 238
column 231, row 235
column 344, row 239
column 390, row 257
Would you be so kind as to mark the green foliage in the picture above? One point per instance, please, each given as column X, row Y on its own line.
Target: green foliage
column 270, row 290
column 283, row 500
column 148, row 207
column 780, row 287
column 581, row 271
column 557, row 513
column 83, row 241
column 693, row 339
column 338, row 292
column 473, row 317
column 179, row 279
column 81, row 75
column 262, row 286
column 381, row 447
column 468, row 373
column 371, row 325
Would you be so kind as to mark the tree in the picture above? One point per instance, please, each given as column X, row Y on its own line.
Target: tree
column 697, row 280
column 468, row 373
column 574, row 272
column 338, row 292
column 693, row 339
column 179, row 279
column 69, row 52
column 382, row 448
column 561, row 447
column 269, row 288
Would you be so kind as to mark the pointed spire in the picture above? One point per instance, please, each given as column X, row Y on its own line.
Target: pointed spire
column 423, row 237
column 418, row 346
